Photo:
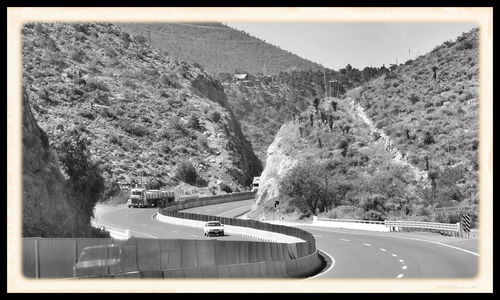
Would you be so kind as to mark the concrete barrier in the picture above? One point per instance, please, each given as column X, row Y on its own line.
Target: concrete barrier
column 361, row 225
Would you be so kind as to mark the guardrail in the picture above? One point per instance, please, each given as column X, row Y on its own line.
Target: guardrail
column 453, row 229
column 351, row 224
column 388, row 225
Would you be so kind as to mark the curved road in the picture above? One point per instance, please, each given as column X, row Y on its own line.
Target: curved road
column 142, row 223
column 352, row 253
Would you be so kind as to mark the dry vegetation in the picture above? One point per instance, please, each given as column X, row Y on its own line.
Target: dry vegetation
column 143, row 112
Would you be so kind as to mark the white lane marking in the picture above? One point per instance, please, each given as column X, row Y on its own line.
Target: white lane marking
column 394, row 255
column 366, row 244
column 399, row 237
column 382, row 249
column 344, row 240
column 316, row 235
column 194, row 235
column 404, row 267
column 327, row 270
column 401, row 261
column 400, row 276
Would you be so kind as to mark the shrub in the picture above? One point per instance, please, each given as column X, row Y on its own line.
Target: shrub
column 226, row 188
column 94, row 84
column 186, row 172
column 168, row 81
column 114, row 139
column 135, row 129
column 84, row 174
column 78, row 55
column 140, row 39
column 130, row 84
column 87, row 114
column 194, row 123
column 215, row 116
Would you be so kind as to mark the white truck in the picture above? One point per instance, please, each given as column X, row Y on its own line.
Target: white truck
column 255, row 184
column 141, row 197
column 213, row 227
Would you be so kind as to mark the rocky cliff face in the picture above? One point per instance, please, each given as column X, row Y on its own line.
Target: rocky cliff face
column 280, row 160
column 143, row 112
column 47, row 210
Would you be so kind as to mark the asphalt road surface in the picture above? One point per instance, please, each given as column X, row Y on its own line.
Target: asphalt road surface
column 142, row 223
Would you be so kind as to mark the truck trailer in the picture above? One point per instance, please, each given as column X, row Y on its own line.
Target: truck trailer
column 140, row 197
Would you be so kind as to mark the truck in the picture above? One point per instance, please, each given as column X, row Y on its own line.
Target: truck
column 255, row 184
column 141, row 197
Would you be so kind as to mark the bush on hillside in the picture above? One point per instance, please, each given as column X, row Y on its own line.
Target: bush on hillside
column 85, row 175
column 226, row 188
column 186, row 172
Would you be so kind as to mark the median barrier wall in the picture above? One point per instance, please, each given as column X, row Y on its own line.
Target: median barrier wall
column 156, row 258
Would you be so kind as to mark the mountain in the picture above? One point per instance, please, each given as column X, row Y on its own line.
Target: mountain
column 396, row 147
column 218, row 48
column 148, row 117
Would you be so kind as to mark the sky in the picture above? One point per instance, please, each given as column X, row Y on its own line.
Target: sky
column 334, row 45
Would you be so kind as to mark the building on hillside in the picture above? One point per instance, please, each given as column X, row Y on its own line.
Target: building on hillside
column 240, row 77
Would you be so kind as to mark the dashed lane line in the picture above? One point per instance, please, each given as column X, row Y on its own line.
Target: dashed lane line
column 382, row 249
column 394, row 255
column 400, row 276
column 400, row 237
column 366, row 244
column 404, row 267
column 344, row 240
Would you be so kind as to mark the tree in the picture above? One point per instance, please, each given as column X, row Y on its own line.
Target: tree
column 316, row 104
column 434, row 70
column 186, row 172
column 85, row 175
column 334, row 105
column 343, row 145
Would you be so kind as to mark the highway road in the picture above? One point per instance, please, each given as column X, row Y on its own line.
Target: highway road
column 142, row 223
column 351, row 253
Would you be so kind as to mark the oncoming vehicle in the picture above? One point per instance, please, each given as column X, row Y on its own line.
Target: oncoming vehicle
column 213, row 227
column 255, row 184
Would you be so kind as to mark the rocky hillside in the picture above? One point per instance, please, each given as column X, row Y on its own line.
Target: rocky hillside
column 262, row 108
column 429, row 110
column 396, row 147
column 48, row 208
column 218, row 48
column 145, row 113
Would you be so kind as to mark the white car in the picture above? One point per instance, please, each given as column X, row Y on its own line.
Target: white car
column 213, row 227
